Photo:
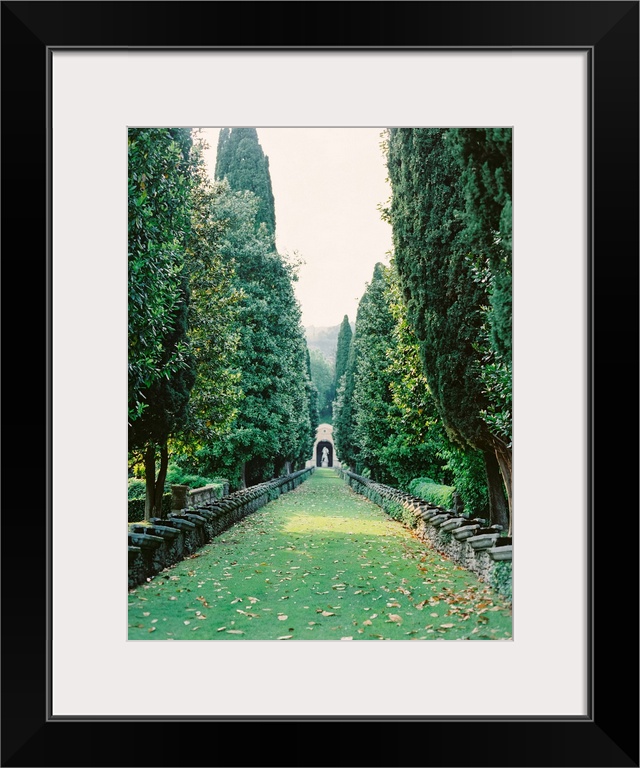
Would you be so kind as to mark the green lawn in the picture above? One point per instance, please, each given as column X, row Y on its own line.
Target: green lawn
column 319, row 563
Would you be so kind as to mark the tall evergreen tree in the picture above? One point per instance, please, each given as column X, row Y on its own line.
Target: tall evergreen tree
column 342, row 352
column 372, row 395
column 485, row 157
column 443, row 297
column 272, row 432
column 323, row 377
column 314, row 416
column 242, row 162
column 343, row 413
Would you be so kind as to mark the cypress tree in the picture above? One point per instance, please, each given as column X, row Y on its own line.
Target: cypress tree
column 343, row 413
column 342, row 352
column 273, row 431
column 314, row 417
column 372, row 395
column 443, row 296
column 242, row 162
column 322, row 376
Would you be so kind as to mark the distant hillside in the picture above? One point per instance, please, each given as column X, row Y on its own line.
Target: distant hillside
column 325, row 340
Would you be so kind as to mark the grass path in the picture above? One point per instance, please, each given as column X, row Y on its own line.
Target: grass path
column 319, row 563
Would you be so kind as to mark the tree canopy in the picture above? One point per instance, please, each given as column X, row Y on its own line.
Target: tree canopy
column 436, row 243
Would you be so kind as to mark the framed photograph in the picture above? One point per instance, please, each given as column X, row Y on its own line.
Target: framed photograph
column 564, row 77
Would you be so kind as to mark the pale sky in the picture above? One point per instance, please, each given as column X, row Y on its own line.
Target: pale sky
column 327, row 183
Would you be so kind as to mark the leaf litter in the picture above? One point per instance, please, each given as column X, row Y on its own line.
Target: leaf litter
column 320, row 538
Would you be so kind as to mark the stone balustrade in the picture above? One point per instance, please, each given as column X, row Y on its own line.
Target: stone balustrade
column 465, row 539
column 165, row 541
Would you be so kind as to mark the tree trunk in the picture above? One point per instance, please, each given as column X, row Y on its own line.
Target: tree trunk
column 162, row 475
column 243, row 479
column 150, row 480
column 504, row 458
column 498, row 508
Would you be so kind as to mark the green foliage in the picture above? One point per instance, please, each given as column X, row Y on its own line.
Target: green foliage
column 485, row 158
column 241, row 161
column 213, row 319
column 272, row 428
column 136, row 488
column 502, row 578
column 345, row 335
column 312, row 392
column 163, row 172
column 343, row 414
column 449, row 212
column 177, row 475
column 372, row 396
column 416, row 433
column 161, row 175
column 136, row 508
column 467, row 472
column 322, row 375
column 426, row 489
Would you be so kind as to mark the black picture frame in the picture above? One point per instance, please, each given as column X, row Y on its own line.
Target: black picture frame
column 608, row 736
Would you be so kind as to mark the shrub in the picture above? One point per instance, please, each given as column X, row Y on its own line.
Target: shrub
column 136, row 508
column 469, row 479
column 176, row 475
column 426, row 489
column 136, row 488
column 502, row 579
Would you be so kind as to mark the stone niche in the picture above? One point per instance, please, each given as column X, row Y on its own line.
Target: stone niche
column 324, row 442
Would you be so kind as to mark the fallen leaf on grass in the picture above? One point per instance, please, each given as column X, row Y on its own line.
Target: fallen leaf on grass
column 285, row 637
column 235, row 632
column 394, row 617
column 346, row 638
column 186, row 622
column 393, row 605
column 220, row 629
column 446, row 626
column 237, row 600
column 327, row 613
column 433, row 615
column 367, row 623
column 152, row 629
column 282, row 617
column 146, row 613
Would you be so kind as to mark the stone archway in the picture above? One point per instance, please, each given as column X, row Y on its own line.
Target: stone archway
column 319, row 452
column 324, row 438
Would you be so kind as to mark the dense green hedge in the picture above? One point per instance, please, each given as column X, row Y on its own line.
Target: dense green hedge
column 137, row 488
column 425, row 488
column 136, row 508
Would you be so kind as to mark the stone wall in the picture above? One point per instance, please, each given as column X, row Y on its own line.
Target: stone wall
column 465, row 540
column 207, row 494
column 165, row 541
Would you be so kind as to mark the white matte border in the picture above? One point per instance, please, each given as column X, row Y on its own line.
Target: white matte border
column 96, row 95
